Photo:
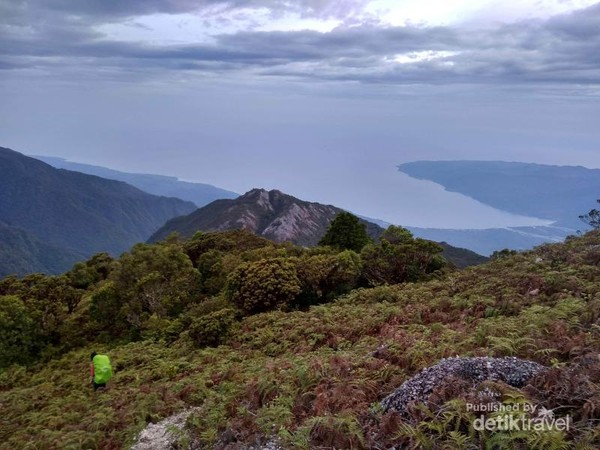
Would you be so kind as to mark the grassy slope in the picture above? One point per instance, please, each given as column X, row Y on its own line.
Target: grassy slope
column 311, row 376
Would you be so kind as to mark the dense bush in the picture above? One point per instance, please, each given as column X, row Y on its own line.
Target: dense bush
column 107, row 312
column 313, row 378
column 398, row 257
column 212, row 272
column 83, row 275
column 504, row 253
column 19, row 337
column 325, row 276
column 49, row 301
column 213, row 328
column 233, row 241
column 263, row 285
column 152, row 280
column 143, row 294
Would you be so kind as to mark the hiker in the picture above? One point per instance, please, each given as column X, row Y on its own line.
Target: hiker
column 100, row 370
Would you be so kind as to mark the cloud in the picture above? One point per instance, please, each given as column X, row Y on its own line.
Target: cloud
column 562, row 50
column 110, row 10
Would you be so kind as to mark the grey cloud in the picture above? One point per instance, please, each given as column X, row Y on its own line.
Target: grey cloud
column 107, row 10
column 564, row 49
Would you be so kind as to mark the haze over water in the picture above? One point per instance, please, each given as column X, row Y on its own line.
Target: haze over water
column 321, row 100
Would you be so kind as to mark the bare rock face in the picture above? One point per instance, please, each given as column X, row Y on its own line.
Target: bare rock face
column 512, row 371
column 171, row 433
column 271, row 214
column 163, row 435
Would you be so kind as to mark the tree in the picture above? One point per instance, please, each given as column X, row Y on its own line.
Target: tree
column 231, row 241
column 592, row 218
column 18, row 332
column 346, row 232
column 263, row 285
column 212, row 274
column 399, row 258
column 85, row 274
column 152, row 280
column 504, row 253
column 383, row 263
column 326, row 276
column 107, row 311
column 397, row 235
column 49, row 300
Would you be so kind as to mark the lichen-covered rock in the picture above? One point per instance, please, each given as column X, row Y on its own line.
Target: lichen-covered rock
column 513, row 371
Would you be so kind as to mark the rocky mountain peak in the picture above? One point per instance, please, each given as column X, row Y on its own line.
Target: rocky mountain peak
column 272, row 214
column 253, row 193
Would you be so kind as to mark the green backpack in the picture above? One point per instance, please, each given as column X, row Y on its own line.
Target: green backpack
column 102, row 369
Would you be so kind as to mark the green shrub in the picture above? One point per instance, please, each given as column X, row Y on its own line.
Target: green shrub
column 151, row 281
column 231, row 241
column 206, row 307
column 212, row 329
column 212, row 274
column 403, row 259
column 263, row 285
column 18, row 332
column 326, row 276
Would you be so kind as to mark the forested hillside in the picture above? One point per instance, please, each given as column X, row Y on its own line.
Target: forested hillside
column 277, row 343
column 21, row 253
column 73, row 214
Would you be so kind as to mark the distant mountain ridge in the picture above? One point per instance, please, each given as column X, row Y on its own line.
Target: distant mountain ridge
column 60, row 216
column 199, row 193
column 557, row 193
column 486, row 241
column 279, row 217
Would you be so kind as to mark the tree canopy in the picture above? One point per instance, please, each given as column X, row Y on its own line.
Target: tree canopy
column 592, row 218
column 346, row 232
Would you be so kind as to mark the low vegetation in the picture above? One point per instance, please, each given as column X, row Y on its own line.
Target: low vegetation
column 277, row 341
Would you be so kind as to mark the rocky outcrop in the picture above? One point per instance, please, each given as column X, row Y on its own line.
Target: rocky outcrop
column 512, row 371
column 164, row 435
column 171, row 433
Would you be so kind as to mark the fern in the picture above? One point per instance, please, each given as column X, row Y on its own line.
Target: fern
column 418, row 439
column 458, row 441
column 547, row 440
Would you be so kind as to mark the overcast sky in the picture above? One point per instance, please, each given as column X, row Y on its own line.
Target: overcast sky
column 318, row 98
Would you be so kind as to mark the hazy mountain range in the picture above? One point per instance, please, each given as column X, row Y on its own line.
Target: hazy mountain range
column 199, row 193
column 22, row 252
column 558, row 194
column 52, row 218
